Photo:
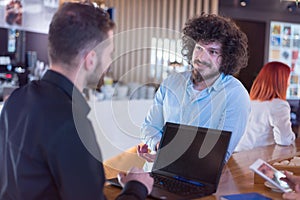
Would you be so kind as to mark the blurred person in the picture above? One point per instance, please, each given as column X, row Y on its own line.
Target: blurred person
column 14, row 12
column 208, row 95
column 265, row 169
column 269, row 120
column 269, row 172
column 48, row 148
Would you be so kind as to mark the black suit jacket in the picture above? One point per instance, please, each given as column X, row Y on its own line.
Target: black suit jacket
column 48, row 148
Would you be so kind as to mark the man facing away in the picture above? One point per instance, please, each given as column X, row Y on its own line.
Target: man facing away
column 208, row 95
column 48, row 148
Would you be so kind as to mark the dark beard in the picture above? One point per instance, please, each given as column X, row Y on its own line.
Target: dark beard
column 101, row 82
column 197, row 77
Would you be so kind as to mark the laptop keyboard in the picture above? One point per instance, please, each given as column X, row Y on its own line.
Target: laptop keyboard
column 177, row 186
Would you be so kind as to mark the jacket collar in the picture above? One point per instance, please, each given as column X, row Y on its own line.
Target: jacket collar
column 69, row 88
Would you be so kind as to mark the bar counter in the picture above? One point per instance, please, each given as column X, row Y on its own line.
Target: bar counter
column 236, row 176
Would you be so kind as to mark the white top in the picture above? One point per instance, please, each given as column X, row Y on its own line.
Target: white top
column 269, row 123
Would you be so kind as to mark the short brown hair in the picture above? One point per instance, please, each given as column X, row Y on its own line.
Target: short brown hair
column 75, row 29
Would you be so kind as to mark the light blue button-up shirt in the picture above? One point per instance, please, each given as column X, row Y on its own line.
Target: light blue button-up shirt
column 225, row 105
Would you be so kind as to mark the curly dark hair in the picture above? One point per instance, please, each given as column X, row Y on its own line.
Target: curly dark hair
column 214, row 28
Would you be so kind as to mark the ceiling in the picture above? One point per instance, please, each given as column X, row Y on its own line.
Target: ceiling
column 260, row 5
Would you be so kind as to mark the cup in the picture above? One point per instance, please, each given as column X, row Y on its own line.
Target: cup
column 133, row 90
column 108, row 91
column 99, row 96
column 122, row 92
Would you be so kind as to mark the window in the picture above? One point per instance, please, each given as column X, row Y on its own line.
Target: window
column 166, row 58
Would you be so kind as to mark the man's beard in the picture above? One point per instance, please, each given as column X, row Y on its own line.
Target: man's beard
column 96, row 79
column 96, row 85
column 199, row 76
column 101, row 81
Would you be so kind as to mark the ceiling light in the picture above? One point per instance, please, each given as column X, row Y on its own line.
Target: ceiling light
column 292, row 7
column 244, row 3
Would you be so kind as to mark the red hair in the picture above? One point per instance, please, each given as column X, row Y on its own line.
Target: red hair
column 271, row 82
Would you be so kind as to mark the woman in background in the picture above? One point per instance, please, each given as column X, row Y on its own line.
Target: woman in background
column 269, row 121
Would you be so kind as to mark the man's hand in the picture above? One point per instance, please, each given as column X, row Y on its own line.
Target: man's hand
column 294, row 183
column 143, row 152
column 136, row 174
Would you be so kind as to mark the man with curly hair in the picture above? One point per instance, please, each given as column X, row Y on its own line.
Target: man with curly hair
column 208, row 95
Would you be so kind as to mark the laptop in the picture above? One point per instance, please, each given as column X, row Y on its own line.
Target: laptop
column 189, row 161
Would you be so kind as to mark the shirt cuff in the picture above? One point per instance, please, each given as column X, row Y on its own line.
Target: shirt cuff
column 153, row 143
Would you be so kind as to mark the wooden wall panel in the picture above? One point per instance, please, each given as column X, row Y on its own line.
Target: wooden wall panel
column 138, row 21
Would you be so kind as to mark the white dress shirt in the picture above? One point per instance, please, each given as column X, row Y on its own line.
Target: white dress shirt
column 269, row 123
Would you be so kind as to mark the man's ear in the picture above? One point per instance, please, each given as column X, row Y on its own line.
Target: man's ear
column 90, row 61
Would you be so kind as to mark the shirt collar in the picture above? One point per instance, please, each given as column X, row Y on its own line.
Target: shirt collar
column 217, row 85
column 69, row 88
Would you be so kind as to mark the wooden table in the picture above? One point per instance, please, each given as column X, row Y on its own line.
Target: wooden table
column 236, row 176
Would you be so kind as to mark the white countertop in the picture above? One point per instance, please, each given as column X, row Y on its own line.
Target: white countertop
column 117, row 124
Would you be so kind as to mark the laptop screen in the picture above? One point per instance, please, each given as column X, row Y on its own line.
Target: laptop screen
column 192, row 153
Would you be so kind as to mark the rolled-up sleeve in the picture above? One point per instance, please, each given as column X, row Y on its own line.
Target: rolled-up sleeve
column 281, row 123
column 151, row 131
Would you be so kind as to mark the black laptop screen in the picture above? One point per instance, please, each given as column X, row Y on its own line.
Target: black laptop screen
column 192, row 153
